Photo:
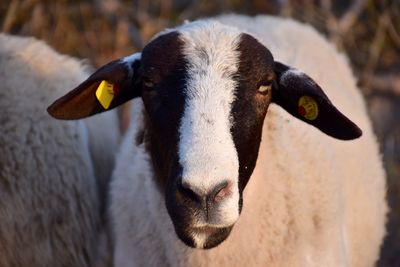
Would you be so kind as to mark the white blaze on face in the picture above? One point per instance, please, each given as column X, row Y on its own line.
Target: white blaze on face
column 207, row 152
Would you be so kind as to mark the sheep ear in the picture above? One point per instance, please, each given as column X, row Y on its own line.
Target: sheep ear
column 110, row 86
column 302, row 97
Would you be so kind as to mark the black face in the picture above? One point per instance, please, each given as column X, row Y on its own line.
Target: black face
column 163, row 79
column 256, row 69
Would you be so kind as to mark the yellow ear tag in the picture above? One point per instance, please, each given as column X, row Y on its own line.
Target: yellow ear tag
column 308, row 107
column 105, row 94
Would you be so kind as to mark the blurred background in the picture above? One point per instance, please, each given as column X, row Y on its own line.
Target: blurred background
column 367, row 31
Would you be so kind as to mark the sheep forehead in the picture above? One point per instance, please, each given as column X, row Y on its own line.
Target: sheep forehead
column 210, row 44
column 206, row 148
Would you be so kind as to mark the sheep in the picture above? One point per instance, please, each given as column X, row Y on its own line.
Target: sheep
column 201, row 143
column 52, row 174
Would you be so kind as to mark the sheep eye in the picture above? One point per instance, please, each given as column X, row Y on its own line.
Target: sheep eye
column 265, row 88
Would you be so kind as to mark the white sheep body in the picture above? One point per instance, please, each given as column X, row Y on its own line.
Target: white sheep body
column 50, row 207
column 311, row 201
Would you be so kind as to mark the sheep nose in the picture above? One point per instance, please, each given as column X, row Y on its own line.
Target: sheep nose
column 216, row 194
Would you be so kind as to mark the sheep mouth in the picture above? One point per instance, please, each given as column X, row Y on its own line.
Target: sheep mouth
column 205, row 237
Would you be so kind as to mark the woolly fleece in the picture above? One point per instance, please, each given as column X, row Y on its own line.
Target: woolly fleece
column 50, row 207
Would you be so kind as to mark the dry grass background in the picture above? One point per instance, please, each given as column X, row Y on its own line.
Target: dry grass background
column 367, row 30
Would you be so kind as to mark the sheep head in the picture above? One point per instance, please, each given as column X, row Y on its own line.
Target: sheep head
column 206, row 88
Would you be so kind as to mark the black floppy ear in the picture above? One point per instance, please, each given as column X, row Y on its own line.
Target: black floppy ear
column 107, row 88
column 302, row 97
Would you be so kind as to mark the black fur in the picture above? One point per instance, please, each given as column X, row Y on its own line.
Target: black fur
column 329, row 120
column 256, row 67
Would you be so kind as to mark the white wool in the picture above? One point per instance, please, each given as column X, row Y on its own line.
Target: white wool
column 311, row 201
column 50, row 205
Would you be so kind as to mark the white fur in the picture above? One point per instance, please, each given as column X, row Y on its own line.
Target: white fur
column 129, row 61
column 287, row 75
column 199, row 239
column 52, row 173
column 132, row 58
column 311, row 201
column 205, row 127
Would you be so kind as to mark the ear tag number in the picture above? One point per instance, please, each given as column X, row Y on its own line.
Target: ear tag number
column 308, row 107
column 105, row 94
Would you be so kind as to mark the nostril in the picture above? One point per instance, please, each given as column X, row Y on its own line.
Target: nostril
column 221, row 191
column 218, row 193
column 224, row 192
column 189, row 193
